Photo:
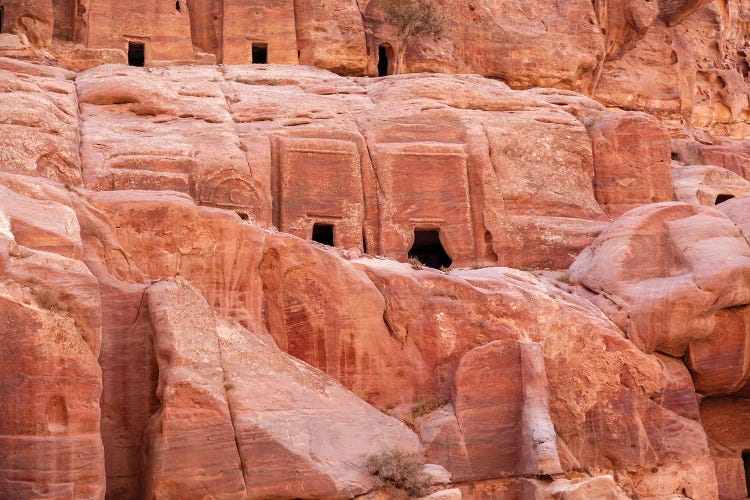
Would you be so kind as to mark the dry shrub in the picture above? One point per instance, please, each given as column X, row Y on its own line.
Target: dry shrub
column 416, row 17
column 431, row 404
column 48, row 299
column 399, row 470
column 415, row 263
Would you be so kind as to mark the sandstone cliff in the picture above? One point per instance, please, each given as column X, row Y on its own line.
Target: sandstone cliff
column 533, row 280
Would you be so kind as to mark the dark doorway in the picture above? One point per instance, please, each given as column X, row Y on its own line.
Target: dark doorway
column 675, row 156
column 177, row 6
column 323, row 233
column 2, row 12
column 136, row 53
column 428, row 250
column 383, row 63
column 746, row 463
column 723, row 197
column 260, row 53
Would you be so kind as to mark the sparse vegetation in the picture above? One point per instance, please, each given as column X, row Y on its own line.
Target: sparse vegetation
column 398, row 470
column 415, row 263
column 413, row 18
column 48, row 299
column 430, row 404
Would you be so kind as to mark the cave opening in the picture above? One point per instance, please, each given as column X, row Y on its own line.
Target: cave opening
column 428, row 250
column 723, row 197
column 746, row 463
column 323, row 233
column 260, row 53
column 136, row 54
column 383, row 60
column 177, row 6
column 675, row 156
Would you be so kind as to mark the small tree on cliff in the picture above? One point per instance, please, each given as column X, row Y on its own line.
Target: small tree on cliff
column 413, row 18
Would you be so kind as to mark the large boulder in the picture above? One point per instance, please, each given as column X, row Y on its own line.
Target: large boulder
column 676, row 279
column 262, row 415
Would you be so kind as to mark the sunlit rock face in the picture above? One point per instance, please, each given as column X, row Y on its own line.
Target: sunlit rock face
column 680, row 59
column 235, row 262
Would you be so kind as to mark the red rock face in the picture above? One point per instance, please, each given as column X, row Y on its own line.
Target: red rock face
column 40, row 127
column 631, row 161
column 680, row 287
column 707, row 185
column 398, row 340
column 627, row 53
column 234, row 144
column 498, row 421
column 726, row 424
column 678, row 72
column 49, row 375
column 169, row 330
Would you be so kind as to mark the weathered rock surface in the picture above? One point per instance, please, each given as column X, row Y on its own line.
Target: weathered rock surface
column 170, row 331
column 39, row 122
column 260, row 413
column 247, row 139
column 499, row 420
column 396, row 338
column 688, row 67
column 730, row 154
column 676, row 279
column 631, row 162
column 707, row 185
column 49, row 375
column 726, row 423
column 193, row 146
column 684, row 60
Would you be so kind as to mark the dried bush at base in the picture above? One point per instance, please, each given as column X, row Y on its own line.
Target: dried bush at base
column 48, row 299
column 399, row 470
column 431, row 404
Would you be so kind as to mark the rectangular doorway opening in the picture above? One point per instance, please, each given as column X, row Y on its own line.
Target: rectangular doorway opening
column 746, row 463
column 323, row 233
column 136, row 54
column 385, row 54
column 260, row 53
column 428, row 249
